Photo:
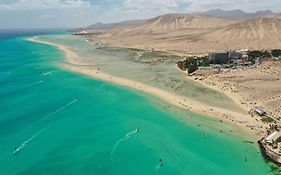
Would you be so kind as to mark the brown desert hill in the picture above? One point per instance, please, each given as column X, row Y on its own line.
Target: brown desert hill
column 260, row 33
column 237, row 14
column 193, row 34
column 165, row 24
column 172, row 22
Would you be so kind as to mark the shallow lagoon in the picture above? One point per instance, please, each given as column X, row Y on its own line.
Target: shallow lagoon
column 128, row 64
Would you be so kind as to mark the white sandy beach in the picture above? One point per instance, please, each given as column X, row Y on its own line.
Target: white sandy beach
column 241, row 119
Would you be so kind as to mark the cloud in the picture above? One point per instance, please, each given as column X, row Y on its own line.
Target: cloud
column 74, row 13
column 42, row 4
column 144, row 5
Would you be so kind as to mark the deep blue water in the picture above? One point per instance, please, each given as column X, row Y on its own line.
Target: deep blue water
column 12, row 33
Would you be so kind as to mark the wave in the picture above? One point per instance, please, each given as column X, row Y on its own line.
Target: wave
column 24, row 86
column 5, row 73
column 125, row 138
column 26, row 142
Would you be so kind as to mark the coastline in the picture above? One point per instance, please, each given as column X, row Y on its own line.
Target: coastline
column 240, row 119
column 261, row 86
column 88, row 118
column 235, row 97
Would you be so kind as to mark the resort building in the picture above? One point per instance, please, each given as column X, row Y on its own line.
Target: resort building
column 81, row 33
column 235, row 57
column 219, row 58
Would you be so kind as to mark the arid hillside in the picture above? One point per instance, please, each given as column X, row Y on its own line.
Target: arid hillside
column 193, row 34
column 260, row 33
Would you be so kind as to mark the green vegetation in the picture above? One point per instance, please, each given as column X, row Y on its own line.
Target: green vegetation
column 276, row 52
column 257, row 53
column 275, row 169
column 203, row 61
column 253, row 55
column 159, row 55
column 263, row 54
column 267, row 119
column 190, row 64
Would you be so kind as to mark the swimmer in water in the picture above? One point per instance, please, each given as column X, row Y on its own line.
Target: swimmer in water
column 15, row 151
column 160, row 162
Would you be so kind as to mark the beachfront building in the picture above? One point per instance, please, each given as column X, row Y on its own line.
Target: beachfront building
column 274, row 137
column 81, row 33
column 235, row 57
column 219, row 58
column 259, row 111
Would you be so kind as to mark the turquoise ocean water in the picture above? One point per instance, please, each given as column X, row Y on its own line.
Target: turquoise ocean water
column 59, row 122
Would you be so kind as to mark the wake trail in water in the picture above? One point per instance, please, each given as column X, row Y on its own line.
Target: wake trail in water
column 48, row 73
column 26, row 142
column 55, row 112
column 125, row 138
column 33, row 83
column 157, row 168
column 48, row 116
column 37, row 82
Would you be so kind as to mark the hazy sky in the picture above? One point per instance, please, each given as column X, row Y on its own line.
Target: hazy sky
column 75, row 13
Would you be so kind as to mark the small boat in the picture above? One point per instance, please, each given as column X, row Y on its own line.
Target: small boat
column 137, row 130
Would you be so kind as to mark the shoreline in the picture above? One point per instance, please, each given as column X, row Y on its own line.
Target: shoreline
column 242, row 89
column 240, row 119
column 235, row 97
